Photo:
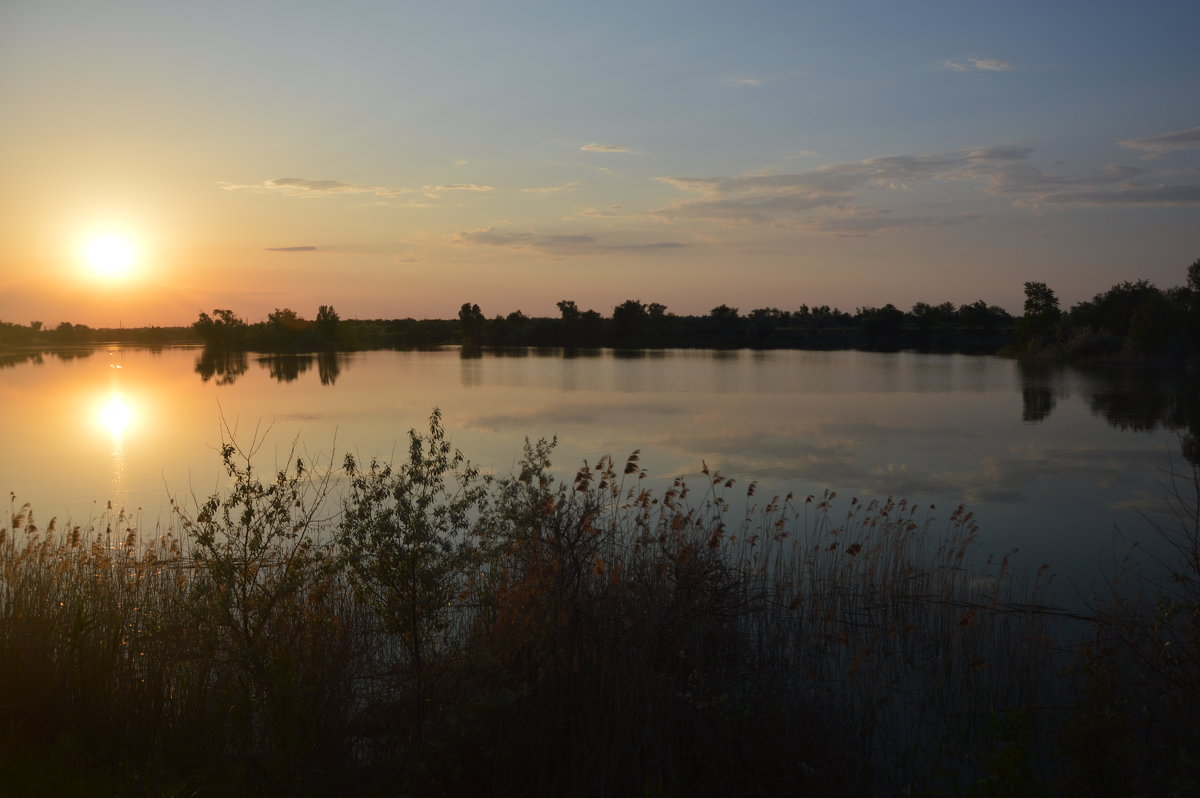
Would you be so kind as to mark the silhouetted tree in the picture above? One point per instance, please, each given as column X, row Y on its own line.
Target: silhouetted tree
column 1192, row 307
column 327, row 324
column 880, row 327
column 569, row 326
column 18, row 334
column 658, row 323
column 724, row 327
column 591, row 328
column 1042, row 314
column 629, row 323
column 285, row 330
column 471, row 320
column 222, row 330
column 761, row 325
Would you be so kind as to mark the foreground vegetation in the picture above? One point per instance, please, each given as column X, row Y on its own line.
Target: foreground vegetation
column 419, row 628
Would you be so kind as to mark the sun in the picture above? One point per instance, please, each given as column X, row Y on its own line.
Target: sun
column 110, row 256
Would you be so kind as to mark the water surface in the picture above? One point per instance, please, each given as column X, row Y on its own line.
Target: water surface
column 1051, row 460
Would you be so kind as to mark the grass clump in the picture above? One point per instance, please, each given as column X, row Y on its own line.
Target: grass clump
column 436, row 630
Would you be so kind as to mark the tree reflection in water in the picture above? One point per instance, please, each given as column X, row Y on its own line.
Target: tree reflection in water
column 330, row 365
column 1139, row 398
column 225, row 365
column 286, row 368
column 228, row 365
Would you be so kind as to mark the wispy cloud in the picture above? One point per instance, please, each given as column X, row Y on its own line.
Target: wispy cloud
column 459, row 187
column 593, row 147
column 291, row 249
column 552, row 189
column 491, row 237
column 612, row 210
column 1157, row 146
column 862, row 223
column 311, row 188
column 1127, row 195
column 991, row 64
column 998, row 170
column 978, row 64
column 558, row 244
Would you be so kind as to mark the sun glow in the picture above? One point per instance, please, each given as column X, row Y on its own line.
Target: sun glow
column 115, row 416
column 110, row 256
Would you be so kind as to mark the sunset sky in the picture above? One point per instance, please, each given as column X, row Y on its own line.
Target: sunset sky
column 399, row 159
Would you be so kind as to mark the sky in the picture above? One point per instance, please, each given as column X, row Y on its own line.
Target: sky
column 398, row 159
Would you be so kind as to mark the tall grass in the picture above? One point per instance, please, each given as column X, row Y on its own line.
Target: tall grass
column 437, row 630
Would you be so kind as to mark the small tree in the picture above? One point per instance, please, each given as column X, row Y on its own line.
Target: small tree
column 1193, row 302
column 327, row 326
column 629, row 324
column 404, row 535
column 470, row 317
column 222, row 330
column 1041, row 316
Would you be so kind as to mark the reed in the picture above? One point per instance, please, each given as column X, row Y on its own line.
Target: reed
column 436, row 630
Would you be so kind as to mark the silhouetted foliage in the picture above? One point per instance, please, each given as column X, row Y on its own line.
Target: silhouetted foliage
column 326, row 326
column 16, row 335
column 433, row 630
column 1131, row 320
column 222, row 330
column 880, row 327
column 629, row 325
column 1041, row 315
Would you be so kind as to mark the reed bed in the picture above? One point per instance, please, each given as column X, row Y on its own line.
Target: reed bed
column 436, row 630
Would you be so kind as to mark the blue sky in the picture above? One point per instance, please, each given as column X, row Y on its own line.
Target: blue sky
column 400, row 159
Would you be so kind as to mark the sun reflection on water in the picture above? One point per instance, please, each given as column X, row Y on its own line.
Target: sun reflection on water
column 116, row 416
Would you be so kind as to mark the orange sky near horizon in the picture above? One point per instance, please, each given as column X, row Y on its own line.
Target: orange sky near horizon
column 394, row 164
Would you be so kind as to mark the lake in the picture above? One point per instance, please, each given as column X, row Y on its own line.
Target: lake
column 1050, row 459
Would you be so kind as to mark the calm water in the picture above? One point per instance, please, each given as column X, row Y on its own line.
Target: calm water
column 1049, row 459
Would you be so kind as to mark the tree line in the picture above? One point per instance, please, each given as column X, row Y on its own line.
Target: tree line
column 36, row 333
column 285, row 330
column 633, row 324
column 1131, row 320
column 639, row 325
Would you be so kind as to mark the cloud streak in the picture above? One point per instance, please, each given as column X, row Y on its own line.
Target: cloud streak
column 594, row 147
column 978, row 65
column 558, row 244
column 800, row 198
column 291, row 249
column 459, row 187
column 1130, row 195
column 1157, row 146
column 551, row 189
column 310, row 188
